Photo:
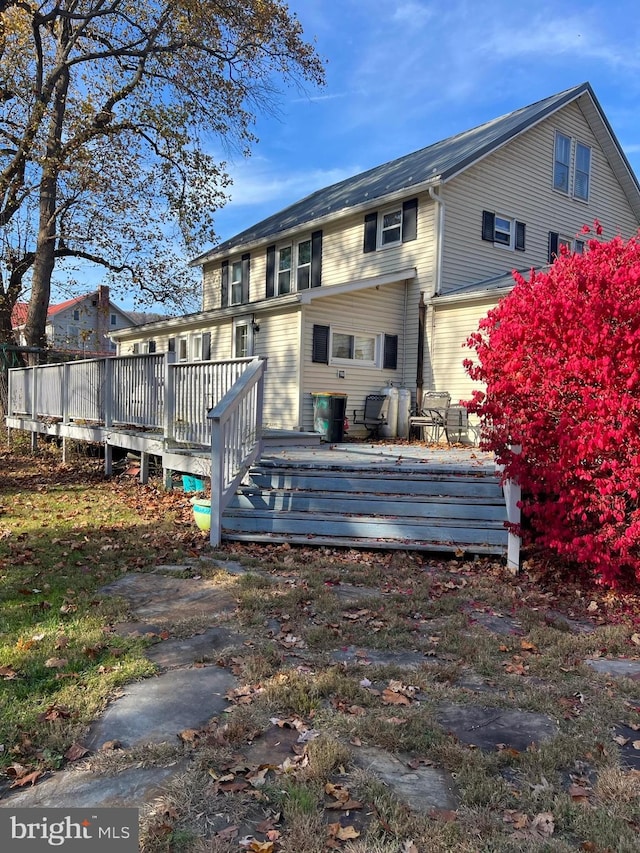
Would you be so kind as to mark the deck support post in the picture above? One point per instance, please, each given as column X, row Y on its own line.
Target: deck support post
column 513, row 495
column 34, row 441
column 108, row 459
column 144, row 468
column 64, row 449
column 217, row 481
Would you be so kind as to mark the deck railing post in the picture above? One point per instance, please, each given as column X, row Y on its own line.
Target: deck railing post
column 169, row 397
column 66, row 373
column 108, row 393
column 217, row 481
column 34, row 392
column 513, row 495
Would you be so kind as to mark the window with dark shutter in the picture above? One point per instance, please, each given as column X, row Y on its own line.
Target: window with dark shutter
column 171, row 345
column 488, row 225
column 316, row 259
column 390, row 358
column 520, row 236
column 553, row 246
column 246, row 266
column 152, row 346
column 271, row 271
column 320, row 348
column 206, row 346
column 224, row 285
column 410, row 220
column 370, row 231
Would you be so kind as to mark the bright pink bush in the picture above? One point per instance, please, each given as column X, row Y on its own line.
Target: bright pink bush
column 560, row 361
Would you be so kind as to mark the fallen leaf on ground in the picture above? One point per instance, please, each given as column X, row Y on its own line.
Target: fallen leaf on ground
column 543, row 825
column 75, row 752
column 56, row 663
column 391, row 698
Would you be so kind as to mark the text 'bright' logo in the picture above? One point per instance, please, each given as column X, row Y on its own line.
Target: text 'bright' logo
column 40, row 829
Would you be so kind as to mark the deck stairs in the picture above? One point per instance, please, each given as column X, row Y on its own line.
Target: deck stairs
column 365, row 497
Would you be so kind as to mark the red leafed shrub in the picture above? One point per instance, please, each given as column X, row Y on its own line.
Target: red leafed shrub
column 560, row 361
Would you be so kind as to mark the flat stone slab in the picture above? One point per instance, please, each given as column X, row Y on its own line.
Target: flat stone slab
column 486, row 728
column 629, row 755
column 422, row 789
column 574, row 626
column 496, row 623
column 84, row 788
column 157, row 597
column 347, row 593
column 201, row 648
column 232, row 567
column 156, row 710
column 620, row 667
column 375, row 657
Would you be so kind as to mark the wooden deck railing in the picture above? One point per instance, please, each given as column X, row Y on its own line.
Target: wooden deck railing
column 236, row 440
column 149, row 392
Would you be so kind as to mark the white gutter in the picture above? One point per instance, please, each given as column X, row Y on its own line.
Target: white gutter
column 437, row 283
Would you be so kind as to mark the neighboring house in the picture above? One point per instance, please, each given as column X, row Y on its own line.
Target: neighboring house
column 79, row 327
column 331, row 290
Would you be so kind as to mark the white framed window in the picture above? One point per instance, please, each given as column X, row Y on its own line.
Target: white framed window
column 293, row 267
column 559, row 244
column 502, row 230
column 347, row 347
column 243, row 340
column 236, row 282
column 582, row 172
column 390, row 228
column 196, row 347
column 571, row 167
column 183, row 348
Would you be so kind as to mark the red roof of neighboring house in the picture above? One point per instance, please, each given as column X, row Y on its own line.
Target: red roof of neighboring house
column 19, row 313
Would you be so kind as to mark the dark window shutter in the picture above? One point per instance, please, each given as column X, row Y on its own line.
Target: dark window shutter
column 370, row 231
column 520, row 236
column 206, row 346
column 320, row 350
column 246, row 268
column 410, row 220
column 553, row 246
column 224, row 289
column 171, row 345
column 488, row 225
column 152, row 346
column 390, row 360
column 271, row 271
column 316, row 259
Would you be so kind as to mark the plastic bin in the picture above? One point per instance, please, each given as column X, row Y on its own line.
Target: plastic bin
column 192, row 484
column 329, row 411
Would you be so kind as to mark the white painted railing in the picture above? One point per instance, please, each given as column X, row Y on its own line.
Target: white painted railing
column 236, row 440
column 149, row 391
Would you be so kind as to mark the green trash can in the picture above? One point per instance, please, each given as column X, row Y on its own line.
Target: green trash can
column 329, row 411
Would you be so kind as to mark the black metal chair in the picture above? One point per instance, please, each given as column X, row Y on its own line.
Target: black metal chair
column 374, row 414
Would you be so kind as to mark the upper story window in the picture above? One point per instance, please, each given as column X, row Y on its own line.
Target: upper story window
column 294, row 266
column 234, row 284
column 76, row 314
column 503, row 231
column 113, row 320
column 183, row 348
column 571, row 167
column 391, row 227
column 560, row 244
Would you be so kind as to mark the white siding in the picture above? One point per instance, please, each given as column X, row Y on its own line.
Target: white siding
column 368, row 311
column 449, row 328
column 516, row 181
column 279, row 340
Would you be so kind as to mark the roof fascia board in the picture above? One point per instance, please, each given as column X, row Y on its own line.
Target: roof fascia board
column 281, row 236
column 307, row 296
column 471, row 297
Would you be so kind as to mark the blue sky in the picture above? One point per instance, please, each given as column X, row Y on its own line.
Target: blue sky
column 402, row 74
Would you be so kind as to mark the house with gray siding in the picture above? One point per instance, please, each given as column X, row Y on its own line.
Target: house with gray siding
column 379, row 279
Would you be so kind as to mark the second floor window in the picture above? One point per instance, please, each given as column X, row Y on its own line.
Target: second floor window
column 236, row 283
column 294, row 266
column 503, row 231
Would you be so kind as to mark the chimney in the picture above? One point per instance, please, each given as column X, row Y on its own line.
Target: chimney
column 102, row 315
column 103, row 297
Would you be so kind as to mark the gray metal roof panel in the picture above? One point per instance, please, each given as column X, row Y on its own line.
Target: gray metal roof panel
column 438, row 161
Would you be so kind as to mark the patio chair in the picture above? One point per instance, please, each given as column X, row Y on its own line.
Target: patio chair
column 374, row 414
column 432, row 418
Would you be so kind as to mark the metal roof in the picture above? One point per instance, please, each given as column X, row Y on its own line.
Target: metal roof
column 434, row 164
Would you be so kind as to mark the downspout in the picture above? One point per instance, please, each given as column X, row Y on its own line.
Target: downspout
column 437, row 283
column 422, row 313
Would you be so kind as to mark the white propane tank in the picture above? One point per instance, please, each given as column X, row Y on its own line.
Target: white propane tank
column 390, row 429
column 404, row 412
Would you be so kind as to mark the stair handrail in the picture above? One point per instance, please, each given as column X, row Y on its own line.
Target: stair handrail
column 236, row 439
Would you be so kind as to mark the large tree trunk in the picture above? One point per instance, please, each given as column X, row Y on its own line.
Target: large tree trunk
column 35, row 328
